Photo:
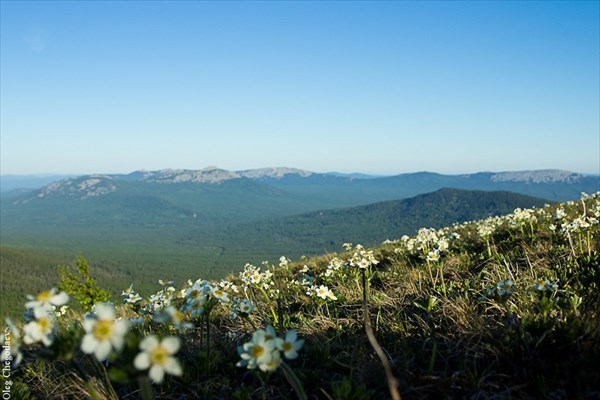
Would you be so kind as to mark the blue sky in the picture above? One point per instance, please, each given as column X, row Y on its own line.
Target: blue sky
column 376, row 87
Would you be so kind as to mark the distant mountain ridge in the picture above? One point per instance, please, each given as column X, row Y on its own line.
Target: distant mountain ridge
column 556, row 185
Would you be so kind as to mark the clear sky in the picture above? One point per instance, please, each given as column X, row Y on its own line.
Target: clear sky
column 375, row 87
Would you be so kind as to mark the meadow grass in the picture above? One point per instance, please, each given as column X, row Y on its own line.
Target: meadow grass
column 506, row 307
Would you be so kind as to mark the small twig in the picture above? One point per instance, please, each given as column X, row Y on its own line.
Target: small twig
column 391, row 379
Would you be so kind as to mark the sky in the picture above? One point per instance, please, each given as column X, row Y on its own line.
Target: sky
column 373, row 87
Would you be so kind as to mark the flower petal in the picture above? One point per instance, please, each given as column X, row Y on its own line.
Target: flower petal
column 88, row 343
column 171, row 344
column 103, row 350
column 105, row 311
column 120, row 328
column 173, row 367
column 157, row 373
column 142, row 361
column 148, row 343
column 60, row 299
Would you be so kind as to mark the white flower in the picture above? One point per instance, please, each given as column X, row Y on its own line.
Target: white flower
column 259, row 351
column 246, row 306
column 264, row 350
column 171, row 315
column 433, row 255
column 220, row 295
column 61, row 311
column 290, row 345
column 283, row 261
column 41, row 329
column 158, row 356
column 255, row 277
column 505, row 287
column 103, row 333
column 322, row 292
column 45, row 300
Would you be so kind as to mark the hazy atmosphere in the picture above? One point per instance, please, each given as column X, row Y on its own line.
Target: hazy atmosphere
column 375, row 87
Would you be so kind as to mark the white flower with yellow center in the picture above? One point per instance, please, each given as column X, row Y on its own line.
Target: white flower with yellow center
column 158, row 356
column 324, row 292
column 259, row 351
column 433, row 255
column 103, row 333
column 220, row 295
column 45, row 300
column 290, row 345
column 246, row 306
column 255, row 277
column 41, row 329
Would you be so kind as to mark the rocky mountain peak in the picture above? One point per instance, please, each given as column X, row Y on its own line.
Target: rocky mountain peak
column 275, row 173
column 81, row 187
column 206, row 175
column 538, row 176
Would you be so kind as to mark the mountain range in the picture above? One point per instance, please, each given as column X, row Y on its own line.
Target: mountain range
column 555, row 185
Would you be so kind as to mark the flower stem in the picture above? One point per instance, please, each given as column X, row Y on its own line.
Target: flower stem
column 86, row 378
column 145, row 388
column 294, row 381
column 391, row 379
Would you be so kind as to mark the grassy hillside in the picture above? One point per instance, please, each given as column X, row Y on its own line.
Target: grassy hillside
column 504, row 307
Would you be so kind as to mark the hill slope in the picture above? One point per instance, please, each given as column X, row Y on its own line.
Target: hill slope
column 374, row 223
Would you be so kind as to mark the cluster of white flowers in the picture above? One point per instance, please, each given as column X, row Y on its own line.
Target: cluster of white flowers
column 521, row 217
column 264, row 350
column 104, row 333
column 130, row 296
column 252, row 276
column 487, row 227
column 196, row 298
column 578, row 224
column 243, row 307
column 335, row 266
column 503, row 288
column 428, row 242
column 545, row 285
column 161, row 299
column 361, row 258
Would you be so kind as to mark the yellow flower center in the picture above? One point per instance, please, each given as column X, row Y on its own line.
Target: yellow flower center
column 258, row 351
column 287, row 346
column 103, row 329
column 44, row 324
column 194, row 294
column 159, row 355
column 44, row 296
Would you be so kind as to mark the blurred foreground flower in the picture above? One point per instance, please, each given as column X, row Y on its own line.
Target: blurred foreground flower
column 41, row 329
column 158, row 356
column 103, row 333
column 46, row 300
